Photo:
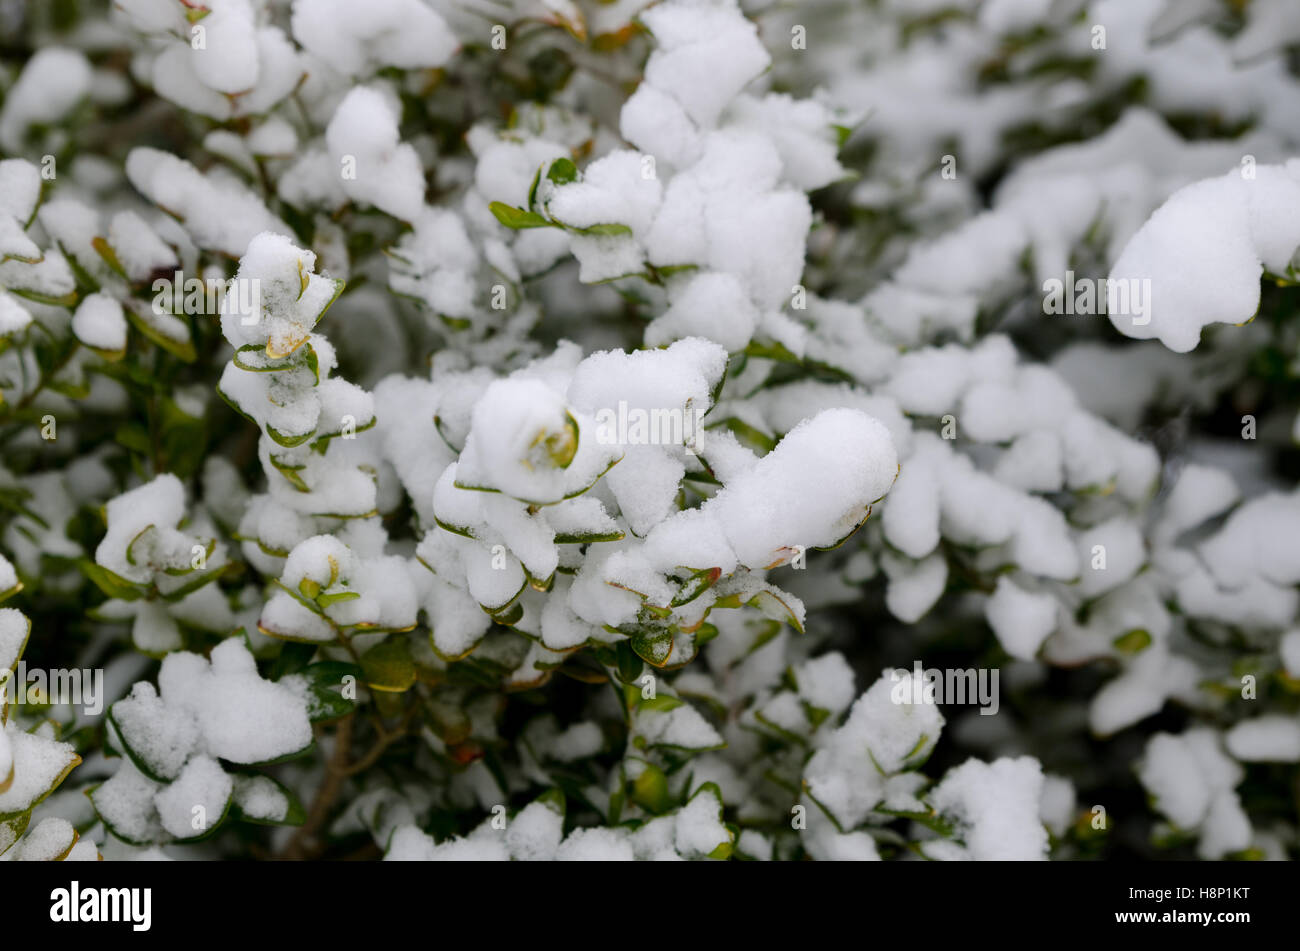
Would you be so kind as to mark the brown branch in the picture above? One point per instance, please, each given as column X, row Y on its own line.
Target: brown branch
column 386, row 740
column 335, row 776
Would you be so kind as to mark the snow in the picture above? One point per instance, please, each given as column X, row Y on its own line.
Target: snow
column 52, row 82
column 826, row 682
column 577, row 742
column 1256, row 543
column 522, row 440
column 1057, row 804
column 14, row 628
column 914, row 587
column 880, row 737
column 1110, row 553
column 706, row 53
column 595, row 845
column 408, row 34
column 802, row 131
column 534, row 835
column 157, row 505
column 99, row 323
column 996, row 807
column 658, row 125
column 241, row 717
column 259, row 797
column 217, row 212
column 384, row 172
column 1290, row 652
column 287, row 297
column 1021, row 619
column 238, row 70
column 164, row 738
column 125, row 801
column 20, row 187
column 1192, row 781
column 1273, row 738
column 698, row 828
column 710, row 305
column 37, row 763
column 766, row 509
column 228, row 61
column 436, row 262
column 138, row 247
column 611, row 190
column 711, row 211
column 467, row 470
column 1141, row 690
column 196, row 800
column 682, row 728
column 1173, row 769
column 50, row 840
column 1204, row 252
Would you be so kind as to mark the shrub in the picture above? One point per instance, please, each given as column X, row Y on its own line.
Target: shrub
column 612, row 431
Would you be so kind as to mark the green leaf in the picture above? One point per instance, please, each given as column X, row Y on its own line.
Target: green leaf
column 326, row 678
column 289, row 441
column 1134, row 642
column 629, row 664
column 694, row 586
column 181, row 349
column 105, row 251
column 517, row 218
column 111, row 583
column 388, row 666
column 326, row 599
column 775, row 607
column 650, row 790
column 661, row 703
column 294, row 656
column 562, row 171
column 610, row 229
column 653, row 647
column 67, row 300
column 584, row 538
column 12, row 828
column 553, row 799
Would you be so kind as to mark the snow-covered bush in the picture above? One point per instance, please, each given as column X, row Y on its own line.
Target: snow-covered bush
column 691, row 429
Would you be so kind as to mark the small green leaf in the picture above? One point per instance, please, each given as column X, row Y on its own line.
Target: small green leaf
column 653, row 647
column 111, row 583
column 661, row 703
column 629, row 664
column 517, row 218
column 650, row 790
column 325, row 600
column 1134, row 642
column 610, row 229
column 562, row 171
column 694, row 586
column 388, row 666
